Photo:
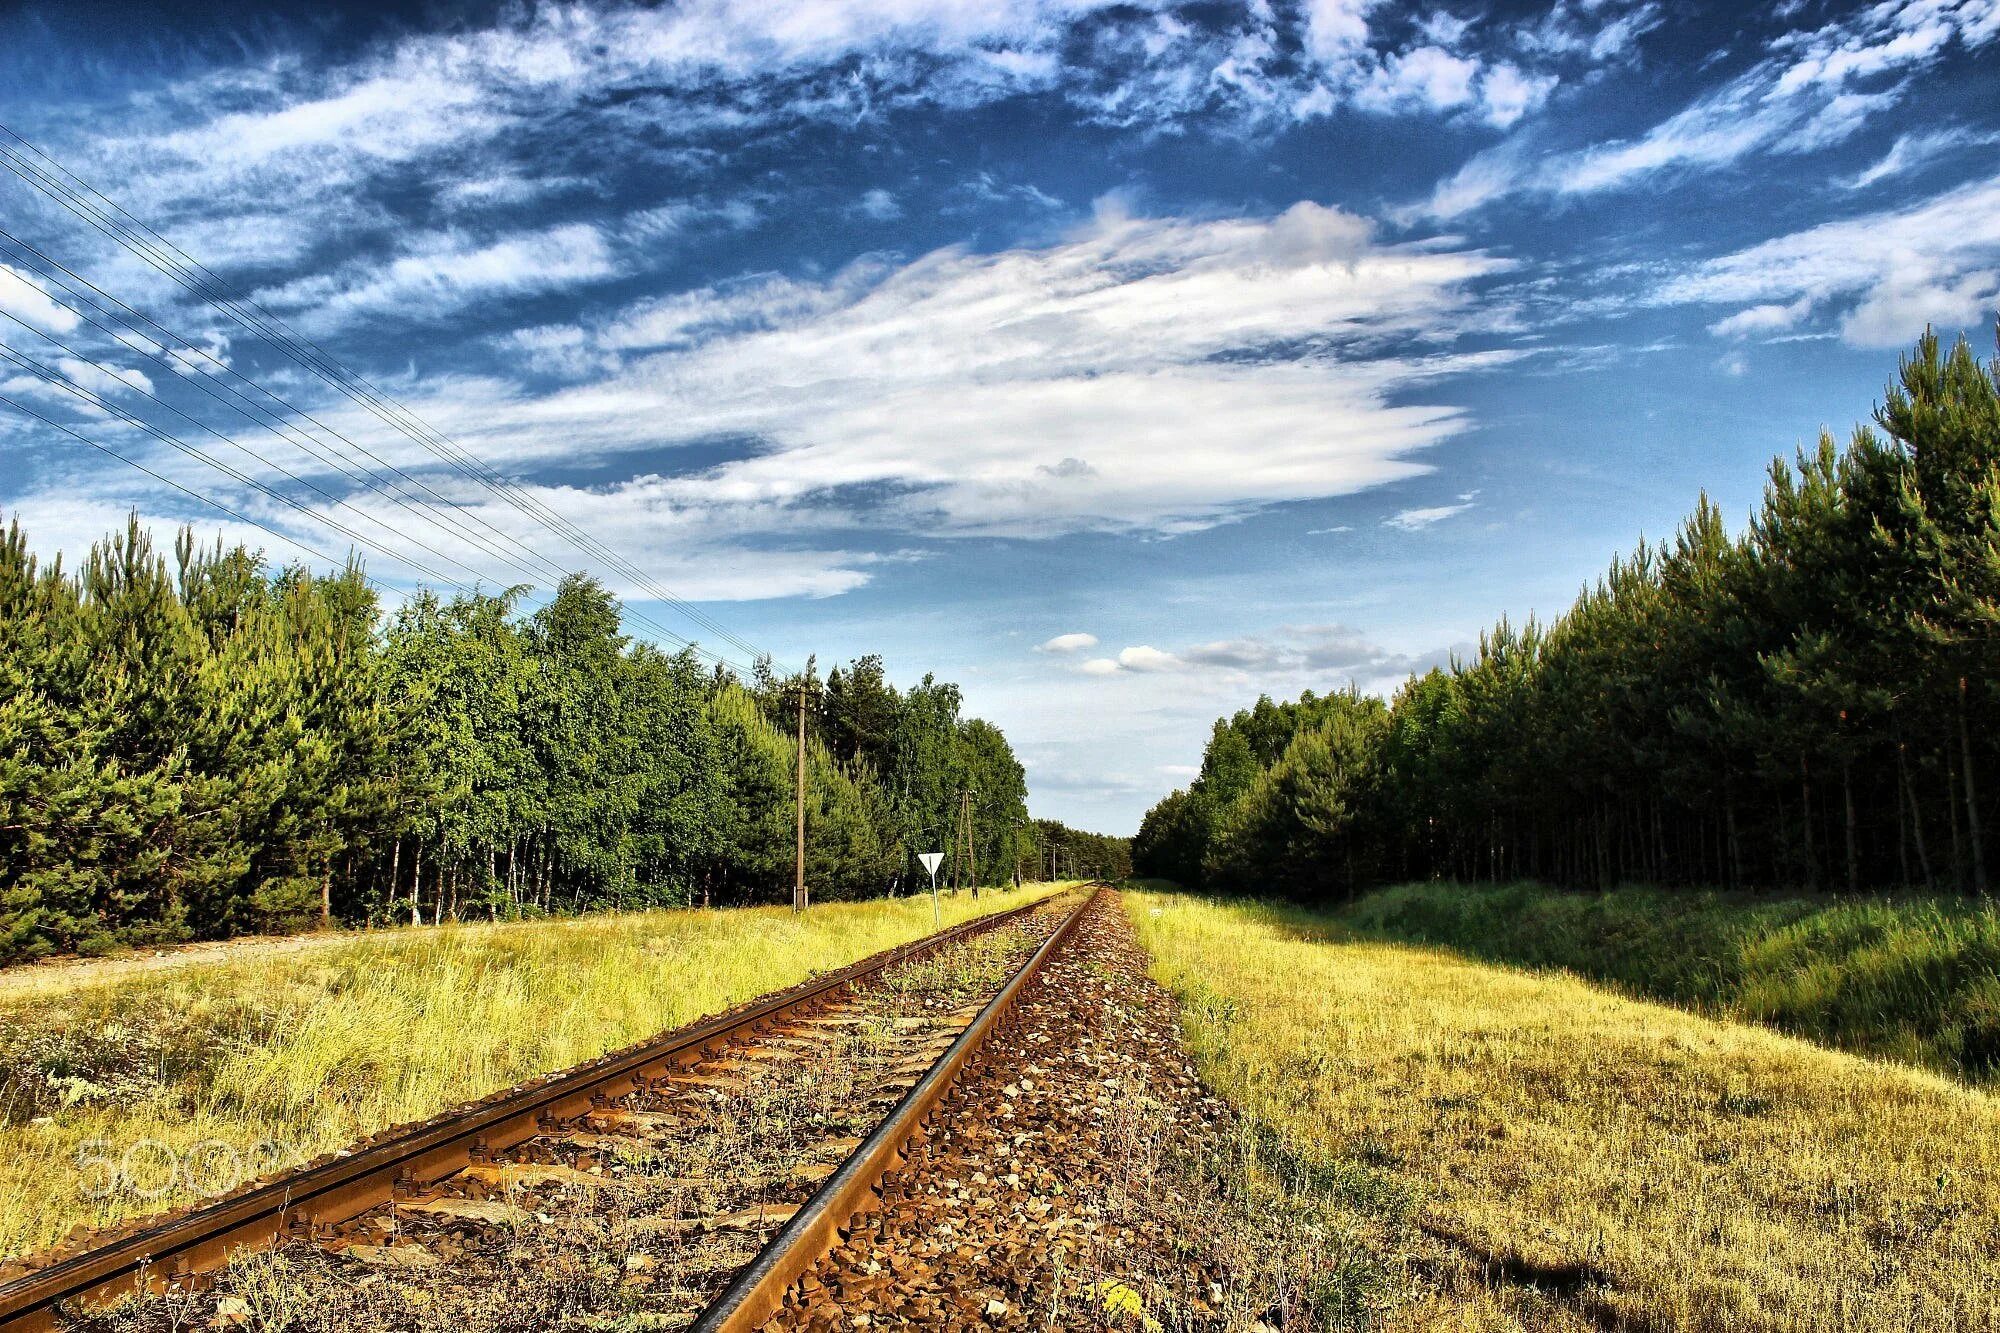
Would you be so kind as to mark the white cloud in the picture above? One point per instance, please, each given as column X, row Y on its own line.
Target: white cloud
column 1145, row 657
column 1411, row 520
column 1336, row 29
column 443, row 273
column 104, row 380
column 1591, row 28
column 1911, row 151
column 1109, row 381
column 558, row 349
column 1762, row 319
column 650, row 227
column 1426, row 77
column 880, row 205
column 28, row 301
column 264, row 161
column 1067, row 643
column 1506, row 93
column 1937, row 261
column 1294, row 656
column 1799, row 98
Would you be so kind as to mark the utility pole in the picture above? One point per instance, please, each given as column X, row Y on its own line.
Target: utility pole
column 971, row 856
column 799, row 901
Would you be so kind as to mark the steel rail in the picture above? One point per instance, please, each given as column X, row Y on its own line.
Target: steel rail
column 757, row 1292
column 156, row 1253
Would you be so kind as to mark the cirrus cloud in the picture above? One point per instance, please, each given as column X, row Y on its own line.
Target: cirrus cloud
column 1107, row 382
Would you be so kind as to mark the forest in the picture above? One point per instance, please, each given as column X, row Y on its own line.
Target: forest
column 1808, row 702
column 1068, row 853
column 202, row 745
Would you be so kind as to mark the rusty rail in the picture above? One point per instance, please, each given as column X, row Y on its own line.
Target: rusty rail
column 758, row 1291
column 158, row 1252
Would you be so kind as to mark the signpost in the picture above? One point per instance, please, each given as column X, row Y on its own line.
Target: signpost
column 931, row 861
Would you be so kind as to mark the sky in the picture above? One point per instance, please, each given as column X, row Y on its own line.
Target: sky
column 1120, row 362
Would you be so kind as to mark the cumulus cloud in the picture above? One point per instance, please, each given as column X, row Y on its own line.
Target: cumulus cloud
column 1067, row 643
column 880, row 205
column 1145, row 657
column 1142, row 658
column 102, row 379
column 1891, row 272
column 1762, row 319
column 1429, row 78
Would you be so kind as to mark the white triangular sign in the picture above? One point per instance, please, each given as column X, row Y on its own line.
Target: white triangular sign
column 930, row 860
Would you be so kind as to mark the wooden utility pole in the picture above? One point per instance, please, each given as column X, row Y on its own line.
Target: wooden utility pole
column 799, row 901
column 965, row 841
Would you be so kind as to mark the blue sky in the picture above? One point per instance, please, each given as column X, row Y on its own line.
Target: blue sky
column 1117, row 361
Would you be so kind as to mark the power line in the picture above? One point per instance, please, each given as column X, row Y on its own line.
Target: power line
column 56, row 379
column 82, row 200
column 279, row 426
column 91, row 398
column 367, row 478
column 233, row 443
column 213, row 503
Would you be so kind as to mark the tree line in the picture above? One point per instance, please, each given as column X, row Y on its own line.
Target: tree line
column 204, row 745
column 1065, row 853
column 1812, row 701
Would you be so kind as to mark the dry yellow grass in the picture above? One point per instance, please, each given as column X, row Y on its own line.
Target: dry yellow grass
column 122, row 1094
column 1653, row 1167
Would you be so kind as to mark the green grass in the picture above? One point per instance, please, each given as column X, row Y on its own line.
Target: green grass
column 1911, row 979
column 1528, row 1151
column 124, row 1094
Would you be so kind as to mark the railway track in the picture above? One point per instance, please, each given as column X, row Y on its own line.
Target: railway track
column 427, row 1201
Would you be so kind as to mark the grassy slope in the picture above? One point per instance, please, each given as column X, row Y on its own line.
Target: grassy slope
column 1912, row 979
column 1677, row 1171
column 177, row 1077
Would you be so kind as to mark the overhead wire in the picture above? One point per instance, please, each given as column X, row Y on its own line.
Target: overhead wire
column 189, row 491
column 195, row 278
column 232, row 442
column 83, row 201
column 47, row 270
column 91, row 398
